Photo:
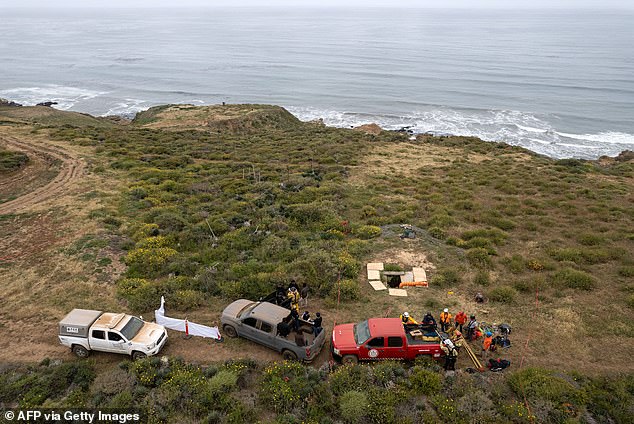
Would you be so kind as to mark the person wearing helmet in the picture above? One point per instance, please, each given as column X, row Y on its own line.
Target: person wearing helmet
column 445, row 320
column 486, row 345
column 451, row 354
column 408, row 320
column 457, row 339
column 293, row 295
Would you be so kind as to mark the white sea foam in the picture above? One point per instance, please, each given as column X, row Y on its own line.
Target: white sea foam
column 513, row 127
column 65, row 96
column 127, row 108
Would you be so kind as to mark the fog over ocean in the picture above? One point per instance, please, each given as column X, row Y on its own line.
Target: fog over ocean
column 558, row 82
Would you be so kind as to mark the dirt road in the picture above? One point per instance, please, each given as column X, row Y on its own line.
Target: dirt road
column 43, row 157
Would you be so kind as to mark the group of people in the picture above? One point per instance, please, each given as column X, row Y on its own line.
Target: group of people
column 454, row 326
column 292, row 321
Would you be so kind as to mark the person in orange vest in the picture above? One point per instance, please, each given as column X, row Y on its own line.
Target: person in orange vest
column 460, row 320
column 445, row 320
column 486, row 345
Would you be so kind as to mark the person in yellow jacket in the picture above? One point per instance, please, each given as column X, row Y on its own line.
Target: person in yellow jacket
column 445, row 320
column 457, row 339
column 293, row 294
column 407, row 320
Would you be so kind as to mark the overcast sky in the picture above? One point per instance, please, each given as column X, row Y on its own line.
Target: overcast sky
column 508, row 4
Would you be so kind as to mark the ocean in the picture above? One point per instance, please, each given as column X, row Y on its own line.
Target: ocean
column 558, row 82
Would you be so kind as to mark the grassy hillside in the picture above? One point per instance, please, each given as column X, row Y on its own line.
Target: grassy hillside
column 210, row 204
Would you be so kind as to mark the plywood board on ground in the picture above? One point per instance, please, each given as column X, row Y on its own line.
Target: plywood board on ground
column 374, row 274
column 377, row 285
column 377, row 266
column 397, row 292
column 419, row 274
column 408, row 277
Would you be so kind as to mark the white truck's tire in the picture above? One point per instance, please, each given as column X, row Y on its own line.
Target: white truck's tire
column 136, row 355
column 80, row 351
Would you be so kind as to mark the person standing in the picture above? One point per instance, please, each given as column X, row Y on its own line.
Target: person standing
column 317, row 324
column 471, row 327
column 303, row 299
column 445, row 320
column 293, row 295
column 451, row 355
column 486, row 345
column 460, row 320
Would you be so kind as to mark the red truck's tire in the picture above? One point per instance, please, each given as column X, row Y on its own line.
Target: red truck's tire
column 349, row 359
column 230, row 331
column 289, row 355
column 80, row 351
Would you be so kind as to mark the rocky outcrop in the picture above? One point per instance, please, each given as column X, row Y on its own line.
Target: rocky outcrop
column 373, row 129
column 47, row 104
column 9, row 103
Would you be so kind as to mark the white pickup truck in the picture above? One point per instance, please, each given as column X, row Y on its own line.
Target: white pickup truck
column 84, row 330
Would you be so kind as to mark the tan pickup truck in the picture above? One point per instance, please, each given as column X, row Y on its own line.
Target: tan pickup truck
column 84, row 330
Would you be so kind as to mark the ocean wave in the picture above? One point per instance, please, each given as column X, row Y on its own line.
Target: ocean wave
column 604, row 137
column 127, row 108
column 65, row 96
column 514, row 127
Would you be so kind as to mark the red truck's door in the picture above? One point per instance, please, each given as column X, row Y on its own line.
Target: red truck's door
column 373, row 349
column 396, row 348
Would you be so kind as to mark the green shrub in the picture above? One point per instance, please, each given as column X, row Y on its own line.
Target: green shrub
column 626, row 271
column 482, row 278
column 345, row 291
column 503, row 294
column 348, row 265
column 444, row 278
column 438, row 233
column 281, row 386
column 573, row 279
column 479, row 258
column 538, row 383
column 630, row 301
column 349, row 377
column 223, row 381
column 11, row 160
column 353, row 406
column 138, row 192
column 516, row 264
column 424, row 381
column 366, row 232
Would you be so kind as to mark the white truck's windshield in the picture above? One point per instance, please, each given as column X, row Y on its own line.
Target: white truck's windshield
column 132, row 328
column 361, row 332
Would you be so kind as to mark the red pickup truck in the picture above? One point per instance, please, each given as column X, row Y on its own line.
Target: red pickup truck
column 380, row 338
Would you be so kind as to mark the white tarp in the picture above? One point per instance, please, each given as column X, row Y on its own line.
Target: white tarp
column 183, row 325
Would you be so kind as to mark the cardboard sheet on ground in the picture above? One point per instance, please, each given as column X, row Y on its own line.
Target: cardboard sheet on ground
column 374, row 274
column 377, row 285
column 377, row 266
column 419, row 274
column 397, row 292
column 182, row 324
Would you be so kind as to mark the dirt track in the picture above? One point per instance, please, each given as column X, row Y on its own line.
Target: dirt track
column 71, row 168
